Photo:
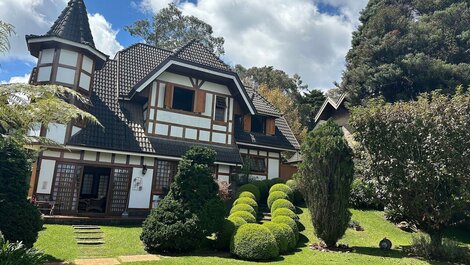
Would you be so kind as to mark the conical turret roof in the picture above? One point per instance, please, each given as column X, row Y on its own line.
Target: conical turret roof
column 73, row 24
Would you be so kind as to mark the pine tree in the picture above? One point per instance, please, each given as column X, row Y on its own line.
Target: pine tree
column 406, row 47
column 325, row 178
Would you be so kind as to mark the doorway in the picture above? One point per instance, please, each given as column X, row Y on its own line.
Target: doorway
column 94, row 190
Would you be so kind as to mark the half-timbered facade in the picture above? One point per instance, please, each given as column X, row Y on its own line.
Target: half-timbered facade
column 153, row 105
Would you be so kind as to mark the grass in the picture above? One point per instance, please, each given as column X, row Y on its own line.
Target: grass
column 58, row 243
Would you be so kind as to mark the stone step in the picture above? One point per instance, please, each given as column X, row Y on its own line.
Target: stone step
column 85, row 226
column 88, row 232
column 88, row 237
column 87, row 242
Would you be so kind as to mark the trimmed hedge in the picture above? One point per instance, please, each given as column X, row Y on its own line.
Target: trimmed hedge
column 284, row 212
column 243, row 207
column 284, row 188
column 282, row 203
column 277, row 195
column 246, row 194
column 298, row 198
column 224, row 236
column 248, row 217
column 250, row 188
column 248, row 201
column 272, row 182
column 283, row 234
column 291, row 223
column 263, row 188
column 254, row 242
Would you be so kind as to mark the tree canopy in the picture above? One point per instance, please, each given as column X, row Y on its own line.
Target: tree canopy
column 406, row 47
column 419, row 153
column 5, row 32
column 170, row 29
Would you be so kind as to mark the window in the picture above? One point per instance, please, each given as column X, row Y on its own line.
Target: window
column 220, row 106
column 258, row 124
column 257, row 164
column 183, row 99
column 166, row 171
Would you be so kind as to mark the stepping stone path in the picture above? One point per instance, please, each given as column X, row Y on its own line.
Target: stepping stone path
column 264, row 214
column 90, row 241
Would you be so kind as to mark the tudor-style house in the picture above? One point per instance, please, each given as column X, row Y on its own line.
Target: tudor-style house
column 154, row 104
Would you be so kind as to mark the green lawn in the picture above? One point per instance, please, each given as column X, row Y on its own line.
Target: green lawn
column 58, row 243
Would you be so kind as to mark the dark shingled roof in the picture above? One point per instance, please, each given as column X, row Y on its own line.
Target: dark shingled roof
column 72, row 24
column 122, row 120
column 262, row 105
column 195, row 52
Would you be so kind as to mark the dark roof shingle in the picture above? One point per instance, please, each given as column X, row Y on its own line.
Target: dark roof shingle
column 72, row 24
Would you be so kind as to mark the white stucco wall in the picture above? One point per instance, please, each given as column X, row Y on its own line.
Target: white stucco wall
column 273, row 168
column 140, row 198
column 46, row 174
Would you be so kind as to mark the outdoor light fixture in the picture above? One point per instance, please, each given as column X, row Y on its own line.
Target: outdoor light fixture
column 144, row 170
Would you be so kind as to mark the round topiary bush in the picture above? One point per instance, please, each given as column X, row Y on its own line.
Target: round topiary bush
column 224, row 236
column 248, row 201
column 263, row 188
column 284, row 188
column 282, row 203
column 250, row 188
column 246, row 194
column 248, row 217
column 277, row 195
column 283, row 234
column 243, row 207
column 298, row 198
column 254, row 242
column 291, row 223
column 284, row 212
column 272, row 182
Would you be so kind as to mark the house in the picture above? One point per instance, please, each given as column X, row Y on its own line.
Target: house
column 154, row 104
column 339, row 113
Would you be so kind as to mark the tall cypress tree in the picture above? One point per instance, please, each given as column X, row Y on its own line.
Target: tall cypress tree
column 406, row 47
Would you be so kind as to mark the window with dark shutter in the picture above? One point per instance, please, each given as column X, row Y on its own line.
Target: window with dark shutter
column 258, row 124
column 220, row 107
column 183, row 99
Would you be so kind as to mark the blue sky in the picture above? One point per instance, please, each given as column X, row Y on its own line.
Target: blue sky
column 308, row 37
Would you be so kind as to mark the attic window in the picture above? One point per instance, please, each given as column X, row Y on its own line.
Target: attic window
column 220, row 106
column 183, row 99
column 258, row 124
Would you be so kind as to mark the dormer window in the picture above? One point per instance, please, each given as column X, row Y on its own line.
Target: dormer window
column 258, row 124
column 183, row 99
column 220, row 107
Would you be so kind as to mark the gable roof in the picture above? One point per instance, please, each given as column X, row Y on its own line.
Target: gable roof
column 329, row 102
column 194, row 51
column 262, row 105
column 72, row 24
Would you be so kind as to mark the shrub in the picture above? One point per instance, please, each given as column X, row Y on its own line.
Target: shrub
column 325, row 176
column 449, row 251
column 250, row 188
column 284, row 212
column 243, row 207
column 284, row 188
column 285, row 238
column 295, row 188
column 363, row 196
column 224, row 190
column 248, row 217
column 246, row 194
column 254, row 242
column 291, row 223
column 248, row 201
column 19, row 254
column 192, row 209
column 263, row 189
column 19, row 219
column 272, row 182
column 225, row 234
column 433, row 131
column 282, row 203
column 277, row 195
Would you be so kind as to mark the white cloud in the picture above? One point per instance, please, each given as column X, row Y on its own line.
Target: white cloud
column 290, row 35
column 103, row 34
column 37, row 16
column 16, row 79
